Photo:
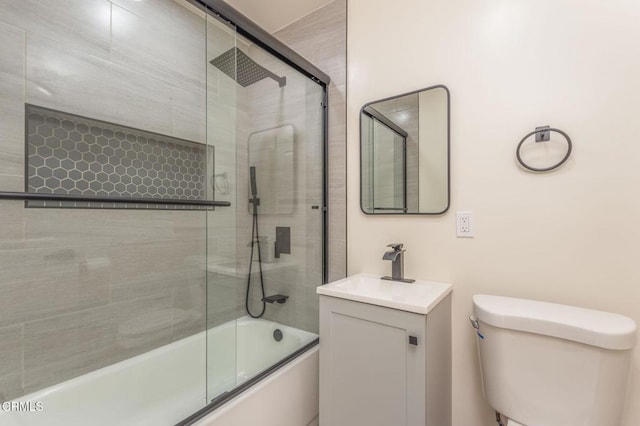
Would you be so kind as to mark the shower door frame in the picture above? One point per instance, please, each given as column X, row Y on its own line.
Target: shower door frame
column 250, row 30
column 376, row 116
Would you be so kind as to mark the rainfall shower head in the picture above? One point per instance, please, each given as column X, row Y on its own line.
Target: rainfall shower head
column 237, row 65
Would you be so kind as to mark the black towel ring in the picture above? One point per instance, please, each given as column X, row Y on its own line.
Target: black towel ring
column 544, row 169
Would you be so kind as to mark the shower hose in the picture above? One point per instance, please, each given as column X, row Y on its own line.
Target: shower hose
column 255, row 241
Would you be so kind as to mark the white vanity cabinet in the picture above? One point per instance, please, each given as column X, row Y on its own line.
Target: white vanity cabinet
column 385, row 353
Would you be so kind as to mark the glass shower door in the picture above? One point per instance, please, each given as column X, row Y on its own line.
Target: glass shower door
column 222, row 279
column 266, row 259
column 103, row 307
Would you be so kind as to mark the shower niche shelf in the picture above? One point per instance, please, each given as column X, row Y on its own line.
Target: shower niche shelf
column 80, row 162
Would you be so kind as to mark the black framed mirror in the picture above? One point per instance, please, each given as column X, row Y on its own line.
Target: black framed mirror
column 404, row 153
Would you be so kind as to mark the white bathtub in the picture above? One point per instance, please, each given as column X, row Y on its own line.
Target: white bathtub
column 287, row 397
column 166, row 385
column 240, row 349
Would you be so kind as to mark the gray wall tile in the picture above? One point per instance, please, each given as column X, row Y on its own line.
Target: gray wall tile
column 144, row 269
column 10, row 362
column 159, row 12
column 67, row 346
column 56, row 227
column 12, row 229
column 79, row 83
column 171, row 49
column 37, row 283
column 225, row 296
column 189, row 113
column 11, row 108
column 81, row 24
column 189, row 304
column 321, row 38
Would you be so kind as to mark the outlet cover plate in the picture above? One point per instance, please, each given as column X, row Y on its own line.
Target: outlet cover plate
column 464, row 224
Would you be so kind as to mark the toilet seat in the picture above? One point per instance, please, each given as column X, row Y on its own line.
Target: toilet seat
column 513, row 423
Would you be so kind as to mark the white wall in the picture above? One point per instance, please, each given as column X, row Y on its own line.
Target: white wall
column 567, row 236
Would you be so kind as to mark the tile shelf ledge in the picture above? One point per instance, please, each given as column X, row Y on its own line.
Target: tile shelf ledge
column 35, row 196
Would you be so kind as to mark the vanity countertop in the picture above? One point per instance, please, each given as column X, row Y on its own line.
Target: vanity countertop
column 419, row 297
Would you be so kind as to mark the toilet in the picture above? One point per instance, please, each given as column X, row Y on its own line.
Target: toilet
column 545, row 364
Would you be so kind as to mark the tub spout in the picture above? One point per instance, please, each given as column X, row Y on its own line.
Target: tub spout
column 276, row 298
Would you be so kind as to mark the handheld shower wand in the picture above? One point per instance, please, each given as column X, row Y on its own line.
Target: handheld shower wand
column 254, row 189
column 255, row 240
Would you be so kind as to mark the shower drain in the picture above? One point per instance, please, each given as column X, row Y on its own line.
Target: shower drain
column 277, row 334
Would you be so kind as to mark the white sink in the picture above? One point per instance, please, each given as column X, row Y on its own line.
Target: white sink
column 418, row 297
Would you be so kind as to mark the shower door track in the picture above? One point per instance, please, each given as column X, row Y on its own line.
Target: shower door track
column 34, row 196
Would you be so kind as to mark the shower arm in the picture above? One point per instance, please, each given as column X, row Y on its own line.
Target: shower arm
column 282, row 81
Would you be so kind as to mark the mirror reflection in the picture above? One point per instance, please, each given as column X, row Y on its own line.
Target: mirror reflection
column 404, row 153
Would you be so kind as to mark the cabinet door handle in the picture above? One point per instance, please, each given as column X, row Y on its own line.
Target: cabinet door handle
column 413, row 340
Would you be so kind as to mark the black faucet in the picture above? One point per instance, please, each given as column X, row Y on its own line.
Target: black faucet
column 396, row 256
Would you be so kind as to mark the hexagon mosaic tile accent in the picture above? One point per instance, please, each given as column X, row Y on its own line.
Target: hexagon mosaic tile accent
column 74, row 155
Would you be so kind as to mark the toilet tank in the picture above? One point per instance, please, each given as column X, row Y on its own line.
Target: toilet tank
column 545, row 364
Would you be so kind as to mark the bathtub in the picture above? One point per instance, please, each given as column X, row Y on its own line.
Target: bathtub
column 287, row 397
column 163, row 386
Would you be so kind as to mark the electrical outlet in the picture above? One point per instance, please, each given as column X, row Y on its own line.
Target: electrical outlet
column 464, row 224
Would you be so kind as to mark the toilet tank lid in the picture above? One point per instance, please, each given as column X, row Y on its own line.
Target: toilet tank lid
column 596, row 328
